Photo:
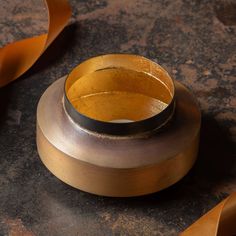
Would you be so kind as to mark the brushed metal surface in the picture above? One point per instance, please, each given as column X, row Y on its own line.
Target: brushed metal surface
column 126, row 151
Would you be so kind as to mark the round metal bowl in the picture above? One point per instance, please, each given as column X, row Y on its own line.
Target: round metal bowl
column 118, row 125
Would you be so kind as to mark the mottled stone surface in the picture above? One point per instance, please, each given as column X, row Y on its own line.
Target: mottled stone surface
column 193, row 40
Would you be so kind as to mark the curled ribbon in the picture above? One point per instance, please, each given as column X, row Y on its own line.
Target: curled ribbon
column 219, row 221
column 17, row 57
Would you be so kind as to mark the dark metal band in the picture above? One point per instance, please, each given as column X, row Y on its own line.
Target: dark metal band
column 128, row 128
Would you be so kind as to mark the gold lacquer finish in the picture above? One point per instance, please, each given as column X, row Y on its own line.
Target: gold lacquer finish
column 118, row 125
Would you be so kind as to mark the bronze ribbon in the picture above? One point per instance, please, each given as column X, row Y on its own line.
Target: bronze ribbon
column 16, row 58
column 219, row 221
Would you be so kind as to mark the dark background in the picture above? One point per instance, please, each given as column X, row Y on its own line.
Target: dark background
column 193, row 40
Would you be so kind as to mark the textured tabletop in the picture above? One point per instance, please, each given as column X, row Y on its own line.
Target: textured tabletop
column 194, row 40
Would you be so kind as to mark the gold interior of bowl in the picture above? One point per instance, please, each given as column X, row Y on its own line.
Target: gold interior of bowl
column 112, row 88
